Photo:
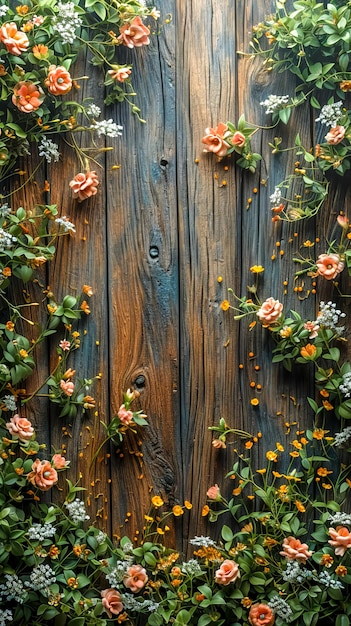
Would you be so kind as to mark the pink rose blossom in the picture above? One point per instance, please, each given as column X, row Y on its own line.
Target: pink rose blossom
column 136, row 578
column 120, row 73
column 43, row 475
column 227, row 573
column 59, row 461
column 20, row 427
column 15, row 40
column 340, row 539
column 84, row 185
column 312, row 328
column 294, row 550
column 111, row 601
column 238, row 139
column 65, row 345
column 125, row 416
column 270, row 311
column 134, row 34
column 67, row 387
column 329, row 266
column 214, row 140
column 335, row 135
column 214, row 493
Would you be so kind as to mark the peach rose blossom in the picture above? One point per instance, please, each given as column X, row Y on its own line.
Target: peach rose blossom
column 120, row 73
column 270, row 311
column 227, row 573
column 58, row 80
column 335, row 135
column 218, row 444
column 20, row 428
column 312, row 328
column 214, row 493
column 125, row 416
column 15, row 40
column 134, row 34
column 329, row 266
column 136, row 578
column 214, row 140
column 59, row 461
column 43, row 475
column 340, row 539
column 261, row 615
column 238, row 139
column 294, row 550
column 84, row 185
column 67, row 387
column 27, row 97
column 111, row 601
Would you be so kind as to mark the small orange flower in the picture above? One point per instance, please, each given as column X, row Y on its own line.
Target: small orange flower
column 225, row 305
column 85, row 307
column 300, row 507
column 308, row 351
column 23, row 353
column 294, row 454
column 324, row 393
column 188, row 505
column 205, row 510
column 246, row 602
column 87, row 290
column 254, row 401
column 341, row 570
column 58, row 80
column 319, row 433
column 237, row 491
column 177, row 510
column 53, row 552
column 271, row 456
column 73, row 583
column 40, row 51
column 327, row 405
column 7, row 271
column 157, row 501
column 10, row 326
column 323, row 471
column 22, row 9
column 326, row 486
column 248, row 445
column 345, row 85
column 327, row 560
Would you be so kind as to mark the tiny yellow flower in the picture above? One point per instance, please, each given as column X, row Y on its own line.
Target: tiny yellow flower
column 300, row 507
column 319, row 433
column 225, row 305
column 188, row 505
column 294, row 454
column 256, row 269
column 279, row 447
column 177, row 510
column 254, row 401
column 205, row 510
column 261, row 471
column 157, row 501
column 271, row 456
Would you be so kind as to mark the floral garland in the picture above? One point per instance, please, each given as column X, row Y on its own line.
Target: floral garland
column 39, row 44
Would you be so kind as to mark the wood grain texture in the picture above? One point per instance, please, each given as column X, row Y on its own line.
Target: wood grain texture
column 165, row 224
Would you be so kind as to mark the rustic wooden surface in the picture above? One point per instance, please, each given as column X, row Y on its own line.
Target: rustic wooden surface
column 152, row 244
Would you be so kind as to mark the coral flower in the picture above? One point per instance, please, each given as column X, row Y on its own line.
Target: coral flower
column 59, row 461
column 27, row 96
column 335, row 135
column 20, row 428
column 294, row 550
column 214, row 140
column 340, row 539
column 329, row 266
column 227, row 573
column 58, row 80
column 124, row 415
column 238, row 139
column 308, row 351
column 84, row 185
column 214, row 493
column 261, row 615
column 136, row 578
column 111, row 601
column 270, row 311
column 43, row 475
column 119, row 73
column 134, row 34
column 67, row 387
column 15, row 40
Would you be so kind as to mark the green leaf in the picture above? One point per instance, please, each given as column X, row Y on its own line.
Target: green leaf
column 227, row 533
column 342, row 620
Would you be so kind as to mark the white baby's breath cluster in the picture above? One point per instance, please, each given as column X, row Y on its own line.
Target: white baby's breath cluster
column 66, row 22
column 130, row 603
column 191, row 568
column 281, row 608
column 276, row 196
column 39, row 532
column 6, row 240
column 67, row 226
column 109, row 128
column 3, row 10
column 41, row 578
column 342, row 437
column 48, row 149
column 329, row 316
column 76, row 511
column 330, row 114
column 6, row 616
column 202, row 541
column 345, row 386
column 274, row 103
column 9, row 402
column 12, row 588
column 93, row 110
column 338, row 518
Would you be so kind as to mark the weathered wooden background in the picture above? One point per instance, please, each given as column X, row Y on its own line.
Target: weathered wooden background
column 152, row 244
